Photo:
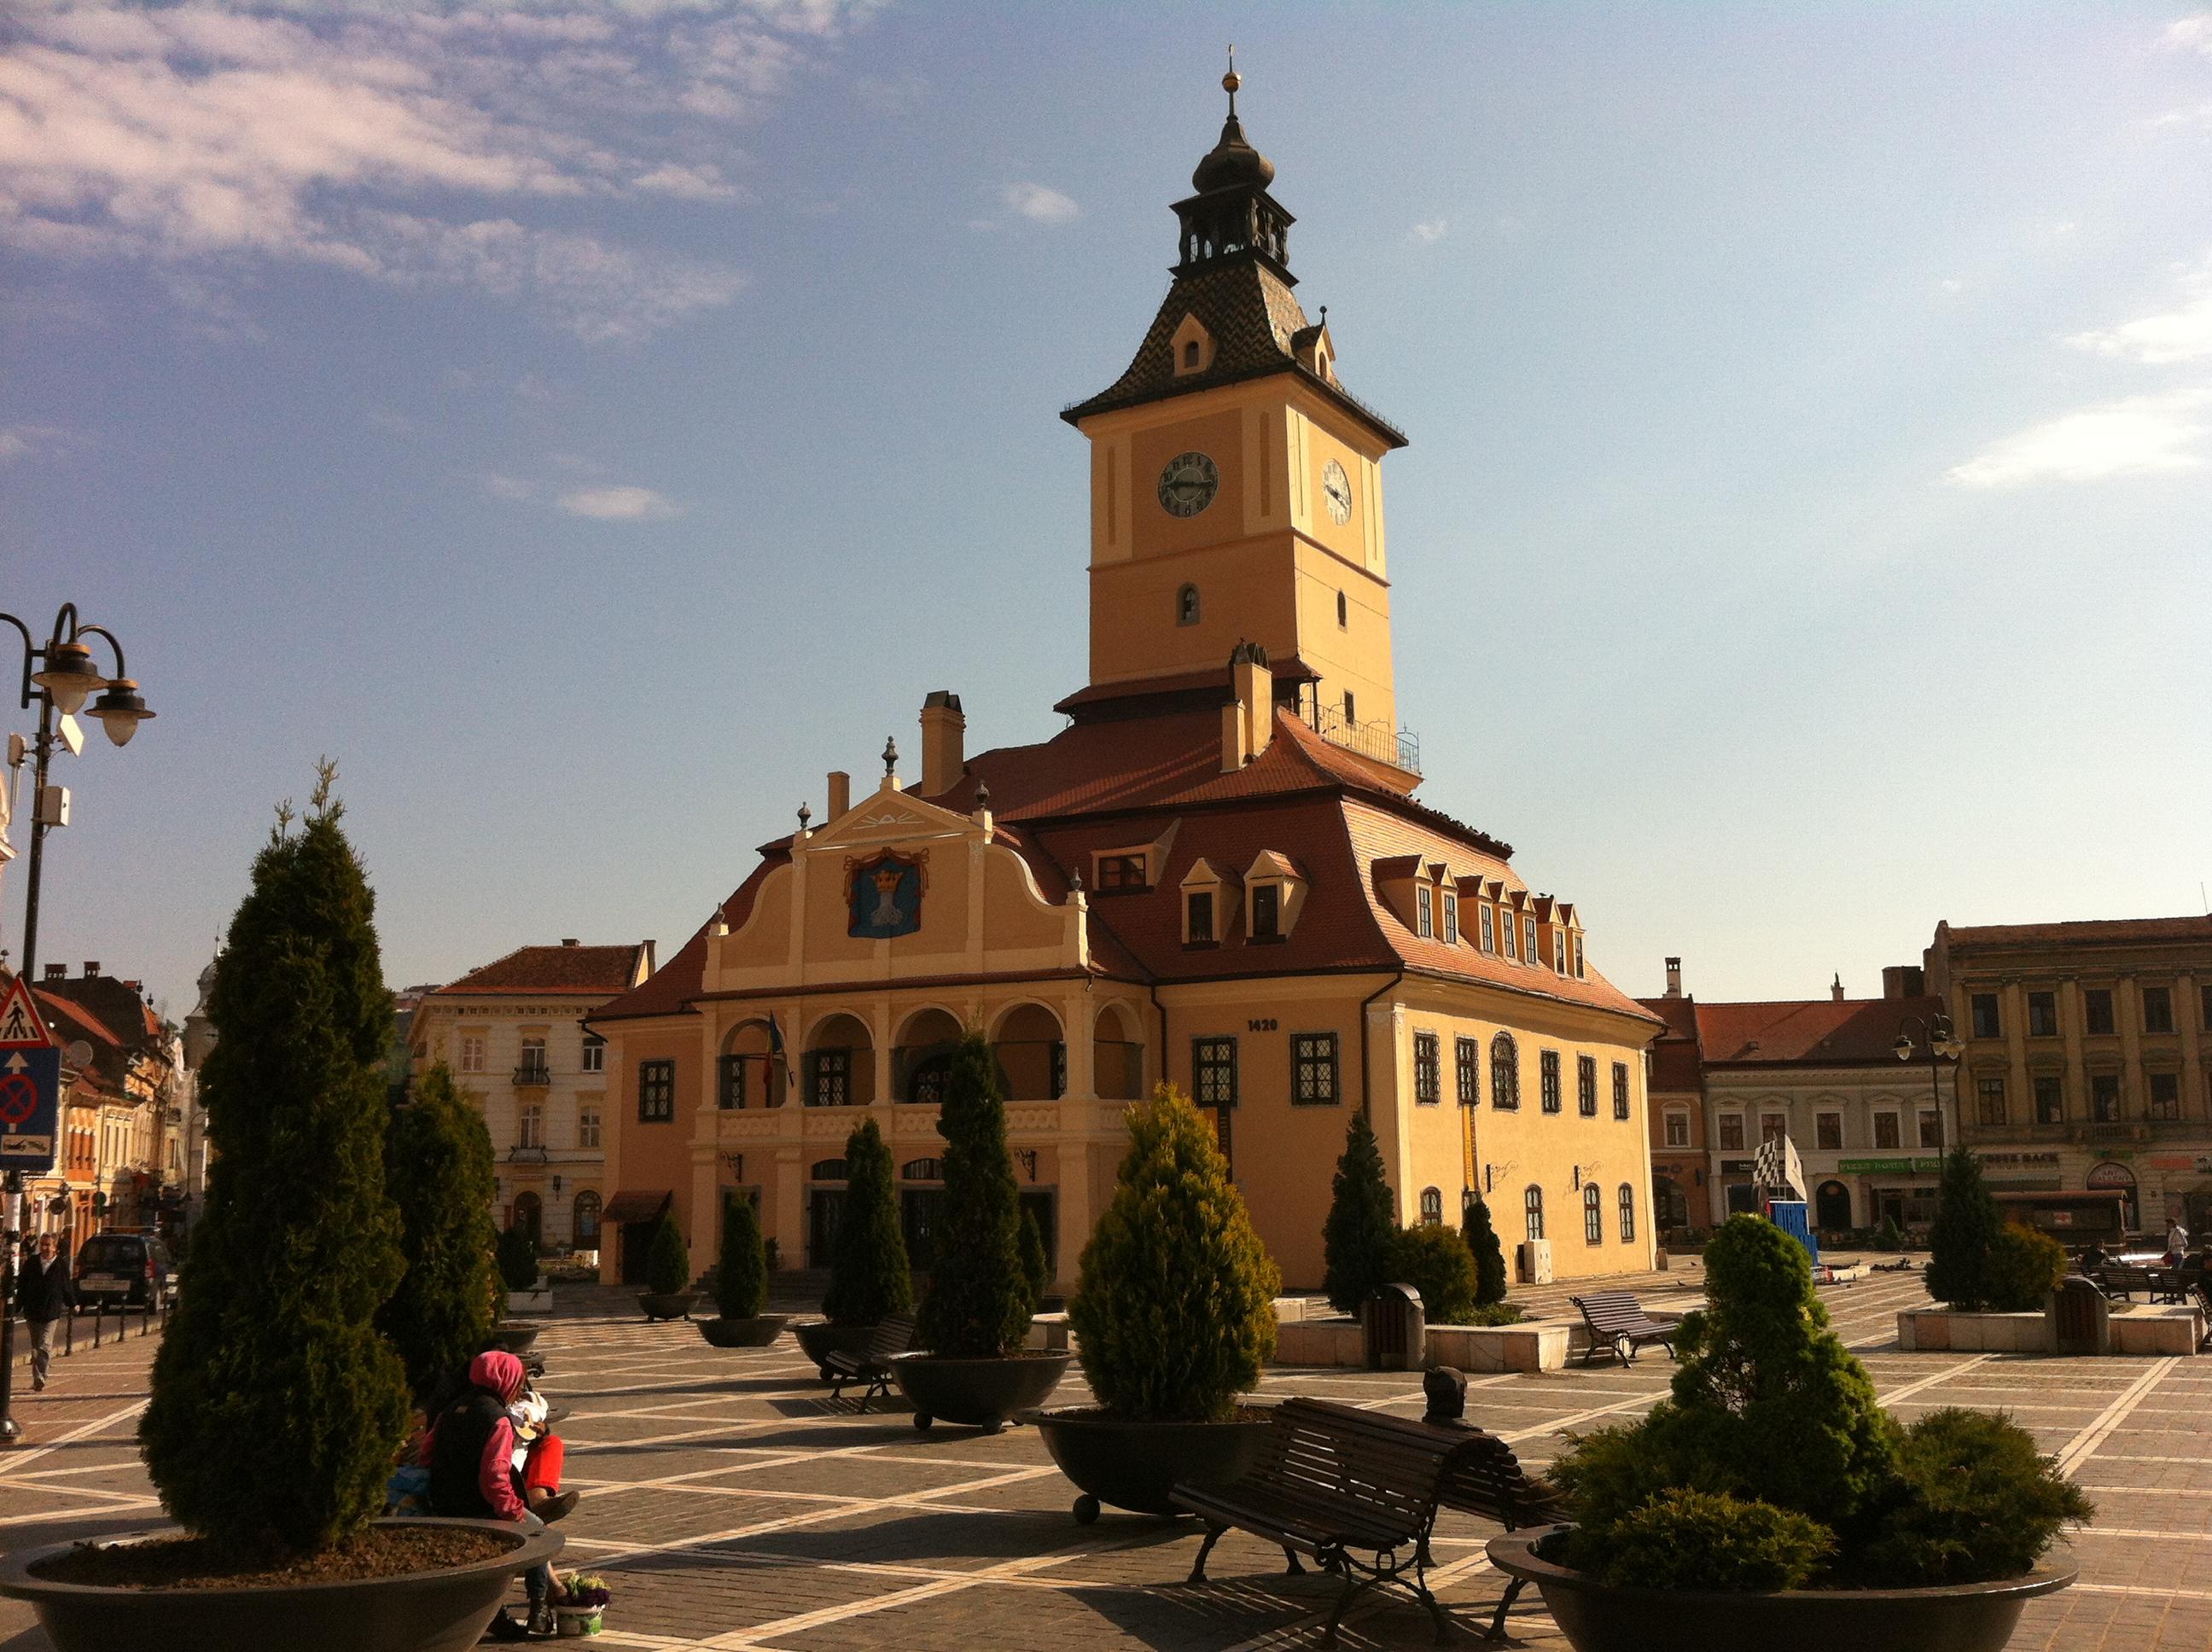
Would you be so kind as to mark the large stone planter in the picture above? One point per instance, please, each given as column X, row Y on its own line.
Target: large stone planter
column 515, row 1339
column 536, row 1301
column 819, row 1340
column 755, row 1332
column 979, row 1393
column 1958, row 1618
column 417, row 1612
column 1135, row 1465
column 667, row 1305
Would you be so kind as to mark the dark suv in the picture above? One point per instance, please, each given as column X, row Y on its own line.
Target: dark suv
column 121, row 1269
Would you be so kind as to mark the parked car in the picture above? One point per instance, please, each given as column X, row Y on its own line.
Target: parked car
column 121, row 1269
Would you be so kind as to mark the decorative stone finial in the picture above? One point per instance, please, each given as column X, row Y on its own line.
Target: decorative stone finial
column 805, row 814
column 1233, row 81
column 890, row 756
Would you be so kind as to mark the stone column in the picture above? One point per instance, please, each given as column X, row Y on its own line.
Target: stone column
column 2074, row 1083
column 2020, row 1094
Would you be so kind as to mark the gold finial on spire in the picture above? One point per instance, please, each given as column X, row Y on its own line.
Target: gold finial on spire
column 1232, row 80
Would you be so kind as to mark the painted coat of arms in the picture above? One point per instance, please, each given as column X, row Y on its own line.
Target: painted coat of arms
column 883, row 895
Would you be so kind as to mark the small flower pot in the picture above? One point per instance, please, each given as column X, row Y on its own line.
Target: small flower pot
column 573, row 1623
column 1135, row 1465
column 979, row 1393
column 669, row 1305
column 755, row 1332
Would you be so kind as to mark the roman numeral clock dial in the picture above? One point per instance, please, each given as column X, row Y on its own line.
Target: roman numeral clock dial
column 1188, row 484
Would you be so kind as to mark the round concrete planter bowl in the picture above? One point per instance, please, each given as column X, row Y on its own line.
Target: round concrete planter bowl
column 515, row 1338
column 1135, row 1465
column 416, row 1612
column 670, row 1305
column 1955, row 1618
column 755, row 1332
column 819, row 1340
column 978, row 1392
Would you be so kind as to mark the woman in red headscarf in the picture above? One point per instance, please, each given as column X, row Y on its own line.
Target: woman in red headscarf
column 470, row 1455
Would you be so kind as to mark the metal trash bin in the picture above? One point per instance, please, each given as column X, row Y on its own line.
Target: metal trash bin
column 2083, row 1316
column 1396, row 1330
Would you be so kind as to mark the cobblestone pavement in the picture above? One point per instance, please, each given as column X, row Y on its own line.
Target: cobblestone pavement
column 730, row 1506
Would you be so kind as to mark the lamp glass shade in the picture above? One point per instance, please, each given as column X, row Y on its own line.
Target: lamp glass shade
column 120, row 710
column 67, row 676
column 1902, row 1047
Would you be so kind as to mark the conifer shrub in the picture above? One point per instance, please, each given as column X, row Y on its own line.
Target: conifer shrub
column 2025, row 1267
column 1436, row 1262
column 1036, row 1267
column 1967, row 1223
column 978, row 1303
column 1686, row 1539
column 1174, row 1309
column 1983, row 1503
column 870, row 1278
column 741, row 1274
column 276, row 1404
column 437, row 1170
column 1482, row 1241
column 1355, row 1238
column 1888, row 1235
column 668, row 1262
column 518, row 1258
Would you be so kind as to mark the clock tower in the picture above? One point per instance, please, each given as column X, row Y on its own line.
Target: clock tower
column 1235, row 486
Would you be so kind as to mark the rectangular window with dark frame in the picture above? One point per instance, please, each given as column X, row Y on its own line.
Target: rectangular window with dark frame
column 2165, row 1095
column 2043, row 1015
column 1989, row 1100
column 1119, row 872
column 595, row 1053
column 1487, row 938
column 1885, row 1130
column 2097, row 1009
column 1451, row 919
column 656, row 1092
column 1213, row 1071
column 1198, row 906
column 1428, row 1070
column 2105, row 1097
column 2158, row 1009
column 1586, row 1085
column 2050, row 1099
column 1984, row 1008
column 1731, row 1132
column 1466, row 1058
column 1931, row 1130
column 829, row 1078
column 1620, row 1089
column 1424, row 902
column 1528, row 952
column 1266, row 911
column 1549, row 1066
column 1828, row 1131
column 1313, row 1070
column 730, row 1091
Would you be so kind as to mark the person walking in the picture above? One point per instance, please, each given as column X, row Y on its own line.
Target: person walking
column 2177, row 1243
column 44, row 1294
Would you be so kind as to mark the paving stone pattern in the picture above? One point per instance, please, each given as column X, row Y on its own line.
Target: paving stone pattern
column 732, row 1506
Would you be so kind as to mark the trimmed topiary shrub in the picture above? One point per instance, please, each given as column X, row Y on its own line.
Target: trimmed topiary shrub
column 1483, row 1243
column 518, row 1258
column 1174, row 1311
column 1036, row 1269
column 870, row 1278
column 1684, row 1539
column 276, row 1404
column 2024, row 1266
column 1967, row 1222
column 741, row 1274
column 978, row 1303
column 1355, row 1238
column 1436, row 1262
column 1983, row 1502
column 668, row 1263
column 1496, row 1313
column 438, row 1171
column 1888, row 1235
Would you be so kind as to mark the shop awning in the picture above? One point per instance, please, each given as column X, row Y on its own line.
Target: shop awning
column 636, row 1205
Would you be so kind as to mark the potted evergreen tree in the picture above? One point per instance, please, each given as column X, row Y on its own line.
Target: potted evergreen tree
column 975, row 1370
column 741, row 1283
column 667, row 1294
column 1769, row 1501
column 516, row 1256
column 277, row 1406
column 869, row 1279
column 1488, row 1251
column 1357, row 1237
column 1174, row 1311
column 438, row 1169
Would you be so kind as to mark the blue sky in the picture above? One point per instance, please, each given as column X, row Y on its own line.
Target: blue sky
column 591, row 424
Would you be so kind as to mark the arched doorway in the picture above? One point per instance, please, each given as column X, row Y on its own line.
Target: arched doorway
column 1117, row 1058
column 529, row 1217
column 1032, row 1055
column 1832, row 1206
column 2109, row 1175
column 587, row 1220
column 825, row 1204
column 841, row 1064
column 922, row 1058
column 749, row 1074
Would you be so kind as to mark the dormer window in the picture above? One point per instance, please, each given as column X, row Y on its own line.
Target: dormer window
column 1190, row 355
column 1423, row 905
column 1578, row 959
column 1451, row 919
column 1512, row 931
column 1529, row 939
column 1209, row 904
column 1266, row 911
column 1191, row 349
column 1274, row 889
column 1187, row 605
column 1488, row 933
column 1122, row 872
column 1559, row 951
column 1198, row 917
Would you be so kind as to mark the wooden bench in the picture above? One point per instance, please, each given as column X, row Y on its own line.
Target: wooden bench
column 2120, row 1279
column 1342, row 1484
column 1617, row 1321
column 2167, row 1285
column 871, row 1366
column 1485, row 1477
column 2203, row 1292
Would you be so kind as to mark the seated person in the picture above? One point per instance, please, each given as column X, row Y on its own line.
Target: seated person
column 539, row 1455
column 469, row 1453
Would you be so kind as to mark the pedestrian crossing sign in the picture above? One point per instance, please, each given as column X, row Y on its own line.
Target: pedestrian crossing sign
column 22, row 1027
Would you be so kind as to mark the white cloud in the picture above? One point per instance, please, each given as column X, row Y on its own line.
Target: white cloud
column 505, row 487
column 1039, row 203
column 700, row 183
column 616, row 504
column 34, row 441
column 2140, row 435
column 2192, row 34
column 2183, row 333
column 1952, row 284
column 1429, row 231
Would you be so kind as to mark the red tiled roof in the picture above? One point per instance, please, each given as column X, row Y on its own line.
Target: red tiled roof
column 2088, row 931
column 1680, row 1015
column 579, row 970
column 669, row 989
column 1813, row 1032
column 1675, row 1068
column 1132, row 692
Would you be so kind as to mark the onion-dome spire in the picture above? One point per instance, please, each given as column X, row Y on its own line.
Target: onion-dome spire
column 1233, row 160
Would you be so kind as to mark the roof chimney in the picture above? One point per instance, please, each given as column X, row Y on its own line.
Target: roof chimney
column 568, row 940
column 58, row 972
column 944, row 729
column 1674, row 978
column 91, row 968
column 1247, row 721
column 841, row 790
column 1836, row 988
column 1903, row 981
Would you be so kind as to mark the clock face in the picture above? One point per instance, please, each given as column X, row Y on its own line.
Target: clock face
column 1338, row 487
column 1188, row 484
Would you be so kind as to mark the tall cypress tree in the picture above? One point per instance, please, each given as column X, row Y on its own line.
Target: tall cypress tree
column 870, row 1278
column 741, row 1272
column 438, row 1169
column 1482, row 1239
column 276, row 1404
column 1356, row 1240
column 978, row 1303
column 1967, row 1222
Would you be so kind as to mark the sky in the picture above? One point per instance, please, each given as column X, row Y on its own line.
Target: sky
column 589, row 424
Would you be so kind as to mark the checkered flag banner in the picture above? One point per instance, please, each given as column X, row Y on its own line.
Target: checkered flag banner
column 1777, row 1168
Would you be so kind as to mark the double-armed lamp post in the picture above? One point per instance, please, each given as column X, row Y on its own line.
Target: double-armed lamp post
column 59, row 676
column 1936, row 1038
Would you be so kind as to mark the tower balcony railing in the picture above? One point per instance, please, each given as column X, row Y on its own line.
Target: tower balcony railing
column 1400, row 748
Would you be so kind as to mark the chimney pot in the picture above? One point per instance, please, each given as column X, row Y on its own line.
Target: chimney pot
column 840, row 794
column 1674, row 978
column 91, row 968
column 58, row 972
column 944, row 736
column 1836, row 988
column 568, row 940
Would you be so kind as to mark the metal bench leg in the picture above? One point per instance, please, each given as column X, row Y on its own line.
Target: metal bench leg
column 1434, row 1606
column 1352, row 1585
column 1505, row 1605
column 1197, row 1566
column 1297, row 1568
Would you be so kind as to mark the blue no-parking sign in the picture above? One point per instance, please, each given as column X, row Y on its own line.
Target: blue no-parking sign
column 30, row 1083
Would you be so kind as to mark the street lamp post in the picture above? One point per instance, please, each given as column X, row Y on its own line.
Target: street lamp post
column 64, row 678
column 1935, row 1036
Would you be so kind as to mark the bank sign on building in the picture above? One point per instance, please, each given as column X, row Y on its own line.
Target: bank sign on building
column 1217, row 875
